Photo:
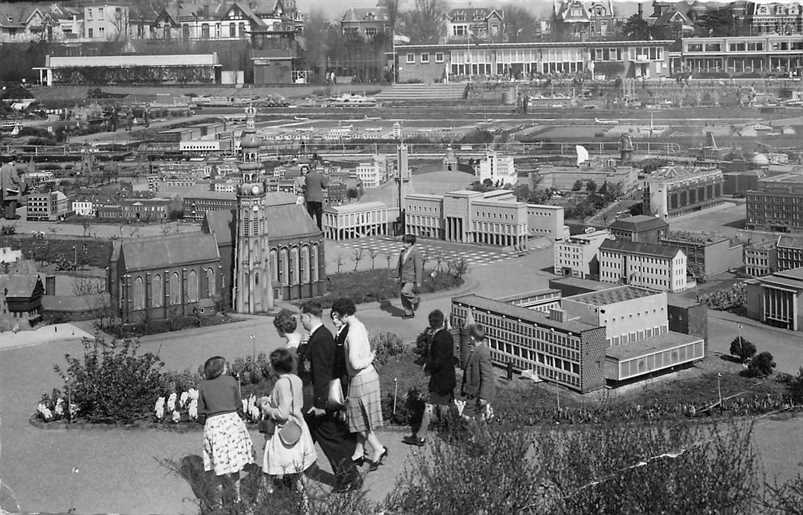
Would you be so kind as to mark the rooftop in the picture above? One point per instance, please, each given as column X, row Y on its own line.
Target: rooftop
column 639, row 223
column 698, row 238
column 168, row 251
column 18, row 285
column 520, row 313
column 790, row 242
column 576, row 282
column 358, row 207
column 612, row 295
column 651, row 346
column 647, row 249
column 784, row 178
column 285, row 222
column 669, row 173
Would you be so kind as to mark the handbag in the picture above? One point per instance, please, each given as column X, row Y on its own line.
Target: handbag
column 267, row 426
column 290, row 431
column 335, row 399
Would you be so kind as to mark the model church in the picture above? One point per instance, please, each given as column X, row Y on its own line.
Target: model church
column 243, row 260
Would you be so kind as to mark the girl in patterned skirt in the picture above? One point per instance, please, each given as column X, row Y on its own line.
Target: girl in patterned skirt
column 227, row 444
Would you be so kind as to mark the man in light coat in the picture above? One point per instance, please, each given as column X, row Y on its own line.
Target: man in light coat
column 411, row 275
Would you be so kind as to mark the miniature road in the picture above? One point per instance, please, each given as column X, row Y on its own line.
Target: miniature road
column 101, row 471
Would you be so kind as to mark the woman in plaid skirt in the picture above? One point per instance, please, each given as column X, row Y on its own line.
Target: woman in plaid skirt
column 364, row 400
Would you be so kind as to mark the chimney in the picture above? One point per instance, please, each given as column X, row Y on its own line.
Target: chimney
column 557, row 315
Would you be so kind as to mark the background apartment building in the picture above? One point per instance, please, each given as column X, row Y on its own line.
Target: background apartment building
column 546, row 221
column 659, row 267
column 706, row 255
column 776, row 204
column 50, row 206
column 576, row 256
column 500, row 170
column 760, row 259
column 639, row 229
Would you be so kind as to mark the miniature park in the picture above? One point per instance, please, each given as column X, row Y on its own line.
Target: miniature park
column 624, row 230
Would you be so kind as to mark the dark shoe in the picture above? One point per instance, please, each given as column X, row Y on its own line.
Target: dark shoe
column 413, row 440
column 375, row 464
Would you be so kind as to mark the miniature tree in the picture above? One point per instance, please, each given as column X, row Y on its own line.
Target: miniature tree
column 372, row 254
column 743, row 349
column 339, row 263
column 761, row 365
column 357, row 255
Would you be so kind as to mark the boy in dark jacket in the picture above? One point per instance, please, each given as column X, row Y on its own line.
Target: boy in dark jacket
column 439, row 364
column 479, row 383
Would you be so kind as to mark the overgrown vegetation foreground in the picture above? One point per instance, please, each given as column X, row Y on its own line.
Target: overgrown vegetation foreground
column 473, row 468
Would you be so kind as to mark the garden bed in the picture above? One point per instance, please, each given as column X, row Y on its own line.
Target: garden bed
column 382, row 284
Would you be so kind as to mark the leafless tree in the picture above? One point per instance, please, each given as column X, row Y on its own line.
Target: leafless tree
column 339, row 263
column 373, row 254
column 357, row 257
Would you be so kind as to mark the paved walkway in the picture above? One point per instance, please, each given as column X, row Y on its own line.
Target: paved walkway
column 114, row 470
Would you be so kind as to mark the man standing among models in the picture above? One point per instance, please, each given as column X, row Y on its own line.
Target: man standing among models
column 314, row 184
column 411, row 273
column 10, row 188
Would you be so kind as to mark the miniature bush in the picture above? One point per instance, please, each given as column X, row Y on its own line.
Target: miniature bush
column 742, row 349
column 761, row 365
column 112, row 382
column 385, row 346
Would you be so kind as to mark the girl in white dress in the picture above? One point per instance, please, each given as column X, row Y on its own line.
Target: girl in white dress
column 286, row 402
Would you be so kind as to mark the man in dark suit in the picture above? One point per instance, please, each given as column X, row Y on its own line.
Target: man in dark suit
column 439, row 365
column 11, row 187
column 314, row 184
column 317, row 368
column 411, row 274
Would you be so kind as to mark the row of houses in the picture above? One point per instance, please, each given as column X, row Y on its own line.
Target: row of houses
column 99, row 21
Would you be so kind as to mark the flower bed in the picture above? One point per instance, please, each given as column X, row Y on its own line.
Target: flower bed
column 113, row 385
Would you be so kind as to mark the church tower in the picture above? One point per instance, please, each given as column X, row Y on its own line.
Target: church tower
column 253, row 288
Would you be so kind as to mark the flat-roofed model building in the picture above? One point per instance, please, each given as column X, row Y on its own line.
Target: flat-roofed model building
column 637, row 331
column 659, row 267
column 359, row 220
column 547, row 221
column 707, row 255
column 605, row 336
column 676, row 190
column 776, row 204
column 776, row 299
column 789, row 252
column 570, row 353
column 466, row 216
column 577, row 255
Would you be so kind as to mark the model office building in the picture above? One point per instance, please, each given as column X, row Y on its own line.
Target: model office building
column 350, row 221
column 465, row 216
column 597, row 338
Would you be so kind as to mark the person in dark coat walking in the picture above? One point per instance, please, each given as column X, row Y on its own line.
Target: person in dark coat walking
column 314, row 184
column 317, row 367
column 439, row 365
column 479, row 383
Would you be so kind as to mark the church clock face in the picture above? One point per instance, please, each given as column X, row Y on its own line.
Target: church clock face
column 255, row 190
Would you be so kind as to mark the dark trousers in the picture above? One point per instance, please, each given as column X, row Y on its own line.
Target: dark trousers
column 409, row 298
column 9, row 209
column 337, row 444
column 315, row 210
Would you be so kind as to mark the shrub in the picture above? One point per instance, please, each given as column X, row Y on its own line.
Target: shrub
column 112, row 382
column 743, row 349
column 784, row 498
column 761, row 365
column 386, row 345
column 618, row 468
column 409, row 408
